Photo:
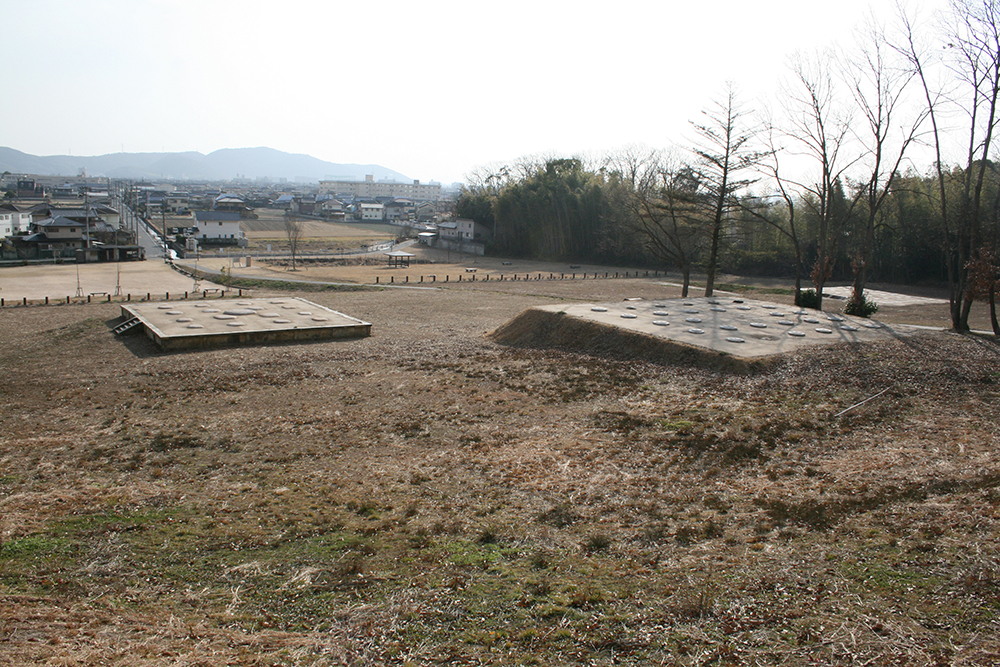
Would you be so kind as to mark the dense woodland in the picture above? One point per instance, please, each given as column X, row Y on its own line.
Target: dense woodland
column 821, row 185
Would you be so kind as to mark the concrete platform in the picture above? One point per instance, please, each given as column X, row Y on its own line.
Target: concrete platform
column 191, row 325
column 730, row 330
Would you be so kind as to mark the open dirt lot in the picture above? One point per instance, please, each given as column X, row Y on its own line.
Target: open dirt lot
column 428, row 496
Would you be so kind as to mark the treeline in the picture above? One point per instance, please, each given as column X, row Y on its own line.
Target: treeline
column 821, row 187
column 562, row 209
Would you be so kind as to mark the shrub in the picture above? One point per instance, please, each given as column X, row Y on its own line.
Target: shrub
column 865, row 308
column 807, row 299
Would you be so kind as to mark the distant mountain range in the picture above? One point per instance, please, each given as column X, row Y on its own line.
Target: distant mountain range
column 220, row 165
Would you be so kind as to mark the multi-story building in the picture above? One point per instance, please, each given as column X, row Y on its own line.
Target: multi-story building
column 372, row 189
column 219, row 227
column 13, row 220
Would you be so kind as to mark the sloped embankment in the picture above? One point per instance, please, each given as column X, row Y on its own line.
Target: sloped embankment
column 545, row 329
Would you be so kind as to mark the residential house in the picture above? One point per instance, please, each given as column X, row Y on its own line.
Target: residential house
column 284, row 202
column 331, row 208
column 399, row 209
column 370, row 212
column 177, row 202
column 28, row 188
column 219, row 228
column 448, row 231
column 470, row 230
column 426, row 211
column 230, row 203
column 13, row 220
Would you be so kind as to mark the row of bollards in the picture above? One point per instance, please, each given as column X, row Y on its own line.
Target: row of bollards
column 527, row 276
column 107, row 298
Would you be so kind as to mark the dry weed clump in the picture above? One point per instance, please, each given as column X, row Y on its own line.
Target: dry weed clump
column 428, row 496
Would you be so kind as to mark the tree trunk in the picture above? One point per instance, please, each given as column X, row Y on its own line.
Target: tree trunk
column 993, row 310
column 713, row 259
column 686, row 272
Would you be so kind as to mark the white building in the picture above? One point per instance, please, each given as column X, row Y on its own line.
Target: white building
column 372, row 189
column 463, row 229
column 373, row 212
column 219, row 226
column 13, row 220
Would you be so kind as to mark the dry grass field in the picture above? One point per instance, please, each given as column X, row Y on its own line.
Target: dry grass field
column 317, row 235
column 428, row 496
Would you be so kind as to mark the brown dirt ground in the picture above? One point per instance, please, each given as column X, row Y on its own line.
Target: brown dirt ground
column 427, row 496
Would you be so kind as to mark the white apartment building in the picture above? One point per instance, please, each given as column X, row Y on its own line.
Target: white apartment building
column 372, row 189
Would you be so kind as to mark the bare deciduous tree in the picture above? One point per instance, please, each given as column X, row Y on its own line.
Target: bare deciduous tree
column 820, row 127
column 879, row 88
column 293, row 230
column 661, row 195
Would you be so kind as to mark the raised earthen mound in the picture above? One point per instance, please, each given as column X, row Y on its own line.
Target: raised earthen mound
column 542, row 328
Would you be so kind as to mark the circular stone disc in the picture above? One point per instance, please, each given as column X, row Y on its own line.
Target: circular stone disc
column 195, row 326
column 629, row 316
column 810, row 320
column 629, row 307
column 847, row 327
column 276, row 303
column 787, row 323
column 776, row 314
column 240, row 311
column 183, row 319
column 835, row 318
column 244, row 303
column 769, row 307
column 174, row 312
column 797, row 334
column 659, row 305
column 661, row 323
column 735, row 339
column 758, row 325
column 690, row 311
column 305, row 313
column 327, row 319
column 824, row 330
column 599, row 309
column 268, row 314
column 211, row 310
column 693, row 320
column 727, row 327
column 282, row 321
column 225, row 317
column 742, row 307
column 717, row 310
column 872, row 325
column 661, row 313
column 201, row 305
column 696, row 331
column 236, row 324
column 164, row 307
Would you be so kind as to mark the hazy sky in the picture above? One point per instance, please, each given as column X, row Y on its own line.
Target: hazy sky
column 431, row 89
